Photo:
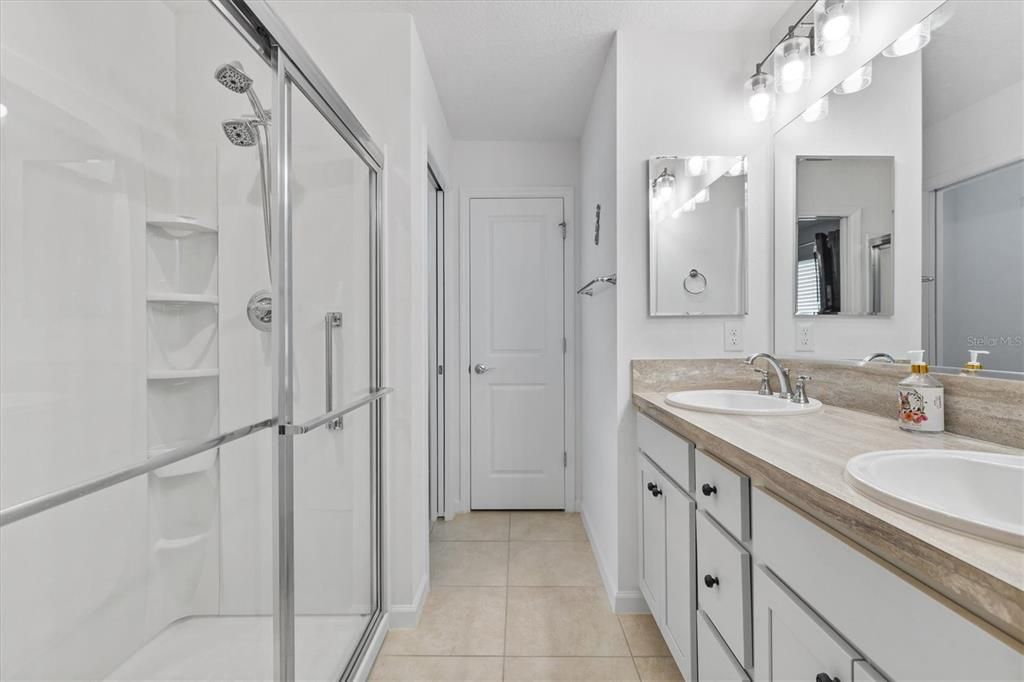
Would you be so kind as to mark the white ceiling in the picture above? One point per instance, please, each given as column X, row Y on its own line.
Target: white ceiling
column 527, row 69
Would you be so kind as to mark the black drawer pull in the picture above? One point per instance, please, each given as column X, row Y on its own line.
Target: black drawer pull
column 708, row 489
column 656, row 491
column 651, row 487
column 825, row 677
column 711, row 582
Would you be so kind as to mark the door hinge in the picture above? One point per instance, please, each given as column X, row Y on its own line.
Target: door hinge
column 565, row 459
column 440, row 370
column 564, row 227
column 565, row 346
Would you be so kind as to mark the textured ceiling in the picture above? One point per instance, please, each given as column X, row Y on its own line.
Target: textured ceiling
column 527, row 69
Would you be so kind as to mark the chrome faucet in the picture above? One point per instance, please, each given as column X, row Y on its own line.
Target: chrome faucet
column 880, row 356
column 785, row 390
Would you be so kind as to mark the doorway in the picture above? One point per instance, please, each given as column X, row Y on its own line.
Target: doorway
column 518, row 344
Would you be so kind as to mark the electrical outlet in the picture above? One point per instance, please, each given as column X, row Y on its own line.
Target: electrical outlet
column 733, row 335
column 804, row 337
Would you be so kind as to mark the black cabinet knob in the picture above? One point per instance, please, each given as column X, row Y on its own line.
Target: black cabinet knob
column 711, row 582
column 825, row 677
column 708, row 489
column 651, row 486
column 656, row 491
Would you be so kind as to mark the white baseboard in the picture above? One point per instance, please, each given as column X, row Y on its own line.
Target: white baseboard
column 373, row 650
column 408, row 615
column 620, row 601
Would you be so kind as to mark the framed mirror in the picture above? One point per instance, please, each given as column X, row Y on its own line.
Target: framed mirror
column 844, row 235
column 697, row 235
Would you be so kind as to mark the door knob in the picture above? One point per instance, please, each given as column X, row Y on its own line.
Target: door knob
column 481, row 368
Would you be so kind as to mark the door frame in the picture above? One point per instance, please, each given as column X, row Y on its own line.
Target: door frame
column 438, row 367
column 566, row 194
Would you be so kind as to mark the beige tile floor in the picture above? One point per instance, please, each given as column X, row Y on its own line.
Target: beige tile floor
column 517, row 596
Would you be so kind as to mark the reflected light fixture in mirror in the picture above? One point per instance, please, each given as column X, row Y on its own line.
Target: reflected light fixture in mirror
column 662, row 185
column 792, row 64
column 3, row 110
column 817, row 111
column 738, row 168
column 913, row 40
column 696, row 166
column 855, row 82
column 760, row 96
column 836, row 26
column 703, row 196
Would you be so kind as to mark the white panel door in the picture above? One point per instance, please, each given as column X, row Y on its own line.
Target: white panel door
column 517, row 359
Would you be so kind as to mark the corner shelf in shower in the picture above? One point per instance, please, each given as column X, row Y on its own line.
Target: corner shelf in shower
column 181, row 299
column 195, row 464
column 180, row 226
column 165, row 374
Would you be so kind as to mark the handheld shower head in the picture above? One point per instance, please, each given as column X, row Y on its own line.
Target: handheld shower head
column 233, row 77
column 240, row 132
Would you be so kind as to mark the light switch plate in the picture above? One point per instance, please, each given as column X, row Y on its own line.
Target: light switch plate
column 733, row 335
column 804, row 337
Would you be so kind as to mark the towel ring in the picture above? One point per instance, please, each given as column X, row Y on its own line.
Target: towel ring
column 695, row 274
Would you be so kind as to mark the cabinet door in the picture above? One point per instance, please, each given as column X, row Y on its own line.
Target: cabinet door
column 680, row 585
column 793, row 642
column 715, row 662
column 652, row 535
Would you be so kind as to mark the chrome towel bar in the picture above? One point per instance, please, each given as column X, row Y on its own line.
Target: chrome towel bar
column 332, row 417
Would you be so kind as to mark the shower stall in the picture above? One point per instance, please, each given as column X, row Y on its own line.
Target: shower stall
column 191, row 394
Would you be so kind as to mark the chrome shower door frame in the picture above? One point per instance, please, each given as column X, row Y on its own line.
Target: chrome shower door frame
column 294, row 68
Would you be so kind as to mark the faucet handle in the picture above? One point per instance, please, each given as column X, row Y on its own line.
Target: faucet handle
column 765, row 388
column 800, row 390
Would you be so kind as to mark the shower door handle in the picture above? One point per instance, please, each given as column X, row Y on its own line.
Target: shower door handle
column 332, row 321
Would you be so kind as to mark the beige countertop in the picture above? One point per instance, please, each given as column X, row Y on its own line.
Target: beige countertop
column 802, row 460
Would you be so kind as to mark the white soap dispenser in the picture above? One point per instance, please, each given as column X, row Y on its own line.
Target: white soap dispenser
column 921, row 398
column 974, row 365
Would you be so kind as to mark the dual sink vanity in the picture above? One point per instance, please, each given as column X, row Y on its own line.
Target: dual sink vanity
column 782, row 540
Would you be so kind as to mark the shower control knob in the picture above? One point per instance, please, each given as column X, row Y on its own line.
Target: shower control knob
column 481, row 368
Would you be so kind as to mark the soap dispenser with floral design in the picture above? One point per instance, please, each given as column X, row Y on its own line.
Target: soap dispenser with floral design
column 921, row 398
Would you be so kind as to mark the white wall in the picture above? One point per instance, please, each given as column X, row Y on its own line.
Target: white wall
column 862, row 124
column 596, row 322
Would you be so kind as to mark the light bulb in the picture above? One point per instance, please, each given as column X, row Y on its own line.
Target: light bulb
column 913, row 40
column 855, row 82
column 817, row 111
column 703, row 196
column 738, row 168
column 836, row 25
column 664, row 192
column 695, row 166
column 760, row 97
column 792, row 61
column 3, row 110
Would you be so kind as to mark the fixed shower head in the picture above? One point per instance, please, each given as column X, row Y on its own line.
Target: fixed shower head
column 240, row 132
column 233, row 77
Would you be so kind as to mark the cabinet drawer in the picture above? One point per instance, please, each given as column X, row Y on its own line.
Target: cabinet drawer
column 793, row 642
column 723, row 586
column 674, row 455
column 724, row 493
column 714, row 661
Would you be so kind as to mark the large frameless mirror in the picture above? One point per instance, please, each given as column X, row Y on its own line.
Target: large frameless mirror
column 697, row 233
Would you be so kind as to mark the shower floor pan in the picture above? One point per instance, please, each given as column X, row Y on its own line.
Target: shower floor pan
column 242, row 648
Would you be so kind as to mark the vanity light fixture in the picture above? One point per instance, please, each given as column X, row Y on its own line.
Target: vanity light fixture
column 791, row 63
column 855, row 82
column 662, row 185
column 836, row 26
column 703, row 196
column 911, row 41
column 817, row 111
column 738, row 168
column 760, row 96
column 696, row 166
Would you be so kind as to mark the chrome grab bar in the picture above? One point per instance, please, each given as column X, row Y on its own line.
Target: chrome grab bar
column 32, row 507
column 332, row 321
column 330, row 417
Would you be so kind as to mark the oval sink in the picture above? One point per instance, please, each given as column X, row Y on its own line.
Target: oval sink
column 739, row 402
column 974, row 492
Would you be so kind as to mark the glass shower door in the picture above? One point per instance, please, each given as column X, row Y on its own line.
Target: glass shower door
column 330, row 365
